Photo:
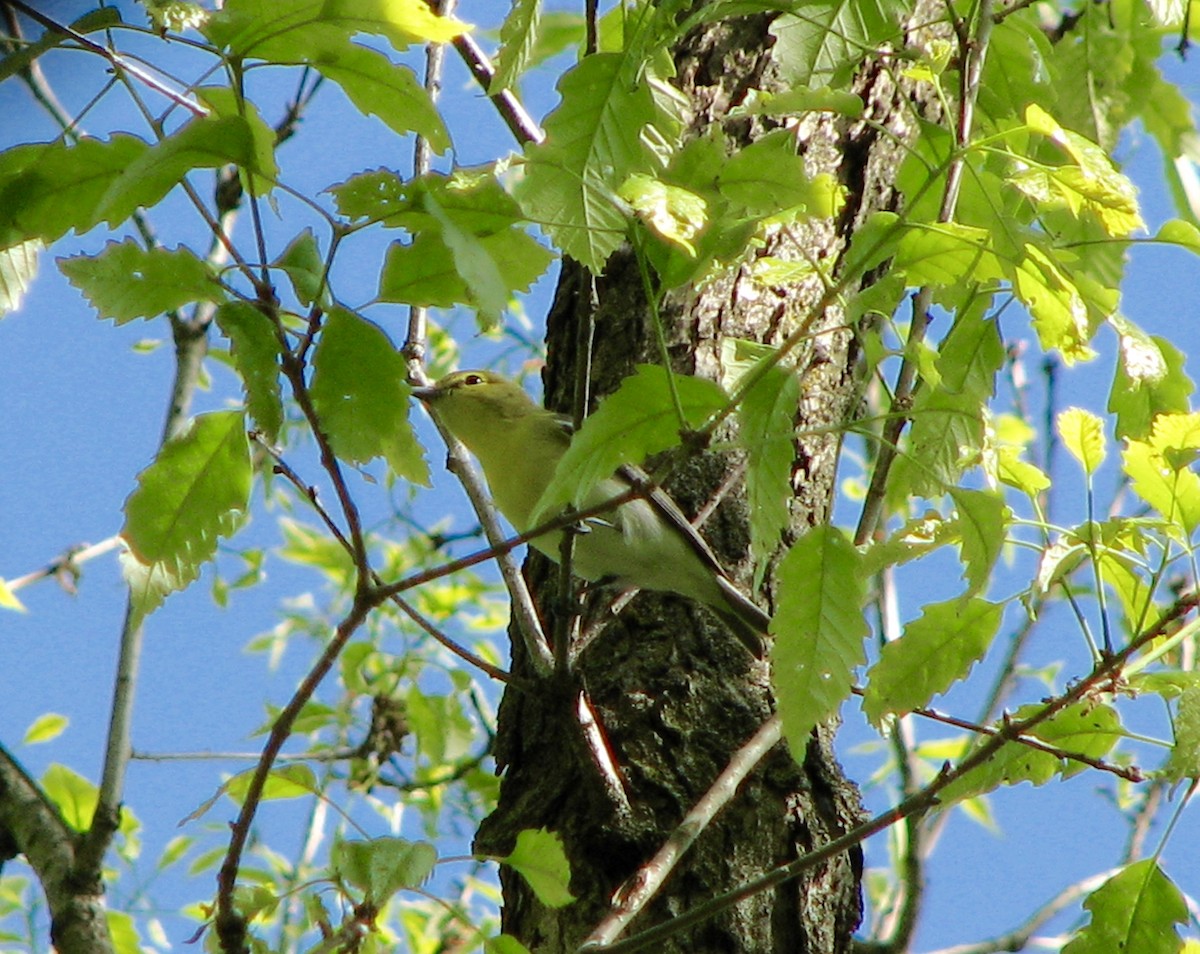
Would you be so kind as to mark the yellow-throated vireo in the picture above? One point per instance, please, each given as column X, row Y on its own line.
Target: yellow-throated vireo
column 646, row 543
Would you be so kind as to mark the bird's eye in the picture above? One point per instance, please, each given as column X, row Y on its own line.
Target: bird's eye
column 473, row 379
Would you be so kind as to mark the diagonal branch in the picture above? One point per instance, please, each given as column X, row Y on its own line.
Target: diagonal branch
column 33, row 826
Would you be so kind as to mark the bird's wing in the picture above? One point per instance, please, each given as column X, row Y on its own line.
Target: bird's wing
column 661, row 501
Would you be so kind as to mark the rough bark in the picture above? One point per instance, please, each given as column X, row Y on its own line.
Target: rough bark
column 675, row 693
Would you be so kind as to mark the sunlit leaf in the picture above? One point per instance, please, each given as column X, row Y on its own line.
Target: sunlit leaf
column 203, row 143
column 361, row 397
column 283, row 782
column 766, row 420
column 936, row 650
column 518, row 40
column 541, row 861
column 1135, row 910
column 1185, row 753
column 1083, row 728
column 301, row 261
column 383, row 866
column 254, row 346
column 637, row 420
column 1082, row 433
column 596, row 138
column 1162, row 468
column 46, row 728
column 819, row 630
column 48, row 189
column 18, row 266
column 126, row 281
column 196, row 491
column 72, row 794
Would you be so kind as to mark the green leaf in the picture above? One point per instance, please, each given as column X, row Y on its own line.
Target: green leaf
column 18, row 266
column 1162, row 468
column 383, row 866
column 1060, row 314
column 126, row 281
column 819, row 630
column 1150, row 379
column 874, row 242
column 539, row 858
column 123, row 932
column 947, row 433
column 1093, row 184
column 378, row 195
column 443, row 731
column 282, row 783
column 609, row 125
column 269, row 29
column 796, row 102
column 946, row 254
column 258, row 177
column 637, row 420
column 767, row 177
column 469, row 245
column 204, row 143
column 46, row 728
column 422, row 272
column 1083, row 435
column 766, row 421
column 936, row 650
column 1181, row 233
column 360, row 395
column 518, row 40
column 301, row 261
column 475, row 264
column 373, row 83
column 918, row 537
column 1084, row 729
column 983, row 519
column 1011, row 437
column 1134, row 910
column 196, row 490
column 672, row 213
column 823, row 40
column 1184, row 761
column 48, row 189
column 72, row 794
column 255, row 351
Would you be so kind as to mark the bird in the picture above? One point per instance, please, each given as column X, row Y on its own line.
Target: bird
column 646, row 542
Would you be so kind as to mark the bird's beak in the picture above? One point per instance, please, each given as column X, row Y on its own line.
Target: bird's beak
column 425, row 394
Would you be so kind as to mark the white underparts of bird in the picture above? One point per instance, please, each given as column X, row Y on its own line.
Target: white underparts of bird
column 645, row 542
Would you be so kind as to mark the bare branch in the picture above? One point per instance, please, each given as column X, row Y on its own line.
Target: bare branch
column 640, row 887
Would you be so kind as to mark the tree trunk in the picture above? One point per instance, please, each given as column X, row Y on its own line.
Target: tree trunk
column 674, row 693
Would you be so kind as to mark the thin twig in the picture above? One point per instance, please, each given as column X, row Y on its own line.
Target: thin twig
column 309, row 493
column 119, row 62
column 640, row 888
column 67, row 565
column 1131, row 773
column 520, row 123
column 230, row 925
